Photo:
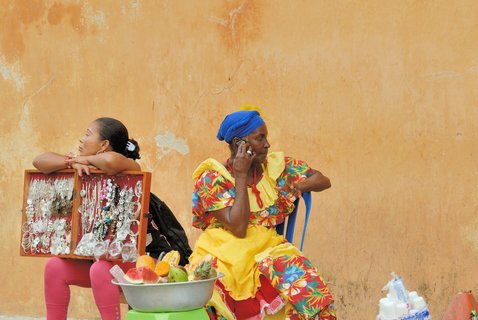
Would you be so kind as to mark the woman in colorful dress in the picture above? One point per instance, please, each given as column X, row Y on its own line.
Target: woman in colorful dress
column 238, row 203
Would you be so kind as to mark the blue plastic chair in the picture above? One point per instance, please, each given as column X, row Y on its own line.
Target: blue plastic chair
column 289, row 233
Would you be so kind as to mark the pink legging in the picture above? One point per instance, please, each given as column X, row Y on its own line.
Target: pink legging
column 61, row 273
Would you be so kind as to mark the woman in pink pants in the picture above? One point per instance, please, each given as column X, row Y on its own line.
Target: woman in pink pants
column 104, row 146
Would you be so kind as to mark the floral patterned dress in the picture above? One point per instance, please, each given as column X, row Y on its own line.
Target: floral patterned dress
column 265, row 276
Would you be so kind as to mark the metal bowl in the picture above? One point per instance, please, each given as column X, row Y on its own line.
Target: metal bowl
column 168, row 297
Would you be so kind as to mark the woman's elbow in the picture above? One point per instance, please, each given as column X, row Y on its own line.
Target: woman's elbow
column 323, row 184
column 39, row 165
column 240, row 235
column 239, row 232
column 37, row 162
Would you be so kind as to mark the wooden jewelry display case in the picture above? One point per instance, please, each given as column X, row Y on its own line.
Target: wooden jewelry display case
column 96, row 216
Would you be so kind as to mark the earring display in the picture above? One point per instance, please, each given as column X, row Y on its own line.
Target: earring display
column 48, row 216
column 95, row 216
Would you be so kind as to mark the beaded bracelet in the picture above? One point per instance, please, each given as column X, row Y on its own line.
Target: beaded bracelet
column 68, row 157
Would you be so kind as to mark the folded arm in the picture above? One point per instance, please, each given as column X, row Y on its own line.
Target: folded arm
column 315, row 182
column 50, row 162
column 110, row 162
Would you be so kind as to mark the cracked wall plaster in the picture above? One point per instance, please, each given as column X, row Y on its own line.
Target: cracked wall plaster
column 11, row 72
column 168, row 142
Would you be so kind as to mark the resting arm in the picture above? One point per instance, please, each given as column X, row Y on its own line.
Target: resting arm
column 315, row 182
column 236, row 218
column 50, row 162
column 110, row 162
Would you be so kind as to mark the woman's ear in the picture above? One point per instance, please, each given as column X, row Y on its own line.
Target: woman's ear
column 234, row 141
column 104, row 146
column 237, row 141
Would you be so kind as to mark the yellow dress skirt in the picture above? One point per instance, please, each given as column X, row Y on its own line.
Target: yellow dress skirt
column 264, row 255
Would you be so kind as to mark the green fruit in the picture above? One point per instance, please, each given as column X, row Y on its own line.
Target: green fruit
column 177, row 275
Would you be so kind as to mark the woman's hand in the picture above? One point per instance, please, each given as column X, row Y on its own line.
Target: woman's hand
column 80, row 168
column 78, row 159
column 243, row 160
column 315, row 182
column 81, row 164
column 291, row 188
column 236, row 218
column 111, row 162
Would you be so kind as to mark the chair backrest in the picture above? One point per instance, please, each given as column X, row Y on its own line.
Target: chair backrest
column 289, row 233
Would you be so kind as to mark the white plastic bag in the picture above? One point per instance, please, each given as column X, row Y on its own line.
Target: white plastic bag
column 401, row 304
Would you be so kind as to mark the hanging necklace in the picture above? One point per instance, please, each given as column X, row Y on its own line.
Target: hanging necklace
column 253, row 187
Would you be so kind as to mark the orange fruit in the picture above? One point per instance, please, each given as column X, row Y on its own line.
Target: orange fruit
column 162, row 268
column 145, row 261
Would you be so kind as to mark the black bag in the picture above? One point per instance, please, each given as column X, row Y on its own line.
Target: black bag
column 166, row 231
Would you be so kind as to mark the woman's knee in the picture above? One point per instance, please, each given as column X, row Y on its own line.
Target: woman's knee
column 100, row 271
column 54, row 268
column 105, row 292
column 69, row 271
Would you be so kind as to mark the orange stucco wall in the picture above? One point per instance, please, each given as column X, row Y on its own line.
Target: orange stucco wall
column 381, row 96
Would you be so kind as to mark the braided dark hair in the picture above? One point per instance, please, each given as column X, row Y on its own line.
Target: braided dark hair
column 116, row 133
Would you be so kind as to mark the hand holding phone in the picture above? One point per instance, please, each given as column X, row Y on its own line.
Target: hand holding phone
column 241, row 141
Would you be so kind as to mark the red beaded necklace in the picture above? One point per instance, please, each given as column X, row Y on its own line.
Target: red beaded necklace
column 253, row 187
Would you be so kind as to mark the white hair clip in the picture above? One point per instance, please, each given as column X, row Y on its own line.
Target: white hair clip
column 130, row 146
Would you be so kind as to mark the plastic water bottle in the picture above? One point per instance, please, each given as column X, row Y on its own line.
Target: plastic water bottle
column 401, row 304
column 118, row 274
column 397, row 285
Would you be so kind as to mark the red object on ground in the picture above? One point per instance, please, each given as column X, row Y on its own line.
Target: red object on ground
column 461, row 306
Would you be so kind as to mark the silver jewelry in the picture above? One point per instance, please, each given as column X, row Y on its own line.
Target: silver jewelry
column 108, row 217
column 47, row 200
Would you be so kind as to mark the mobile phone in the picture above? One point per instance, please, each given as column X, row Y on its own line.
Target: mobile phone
column 248, row 151
column 238, row 143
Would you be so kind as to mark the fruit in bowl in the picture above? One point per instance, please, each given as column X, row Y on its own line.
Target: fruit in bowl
column 141, row 275
column 145, row 261
column 176, row 288
column 205, row 269
column 167, row 270
column 177, row 274
column 169, row 297
column 162, row 268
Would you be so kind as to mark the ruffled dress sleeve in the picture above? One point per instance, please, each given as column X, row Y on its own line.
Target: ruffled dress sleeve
column 212, row 191
column 295, row 171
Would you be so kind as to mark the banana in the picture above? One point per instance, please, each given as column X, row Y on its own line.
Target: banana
column 172, row 257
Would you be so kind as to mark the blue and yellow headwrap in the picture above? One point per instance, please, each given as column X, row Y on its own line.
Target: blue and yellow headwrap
column 239, row 124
